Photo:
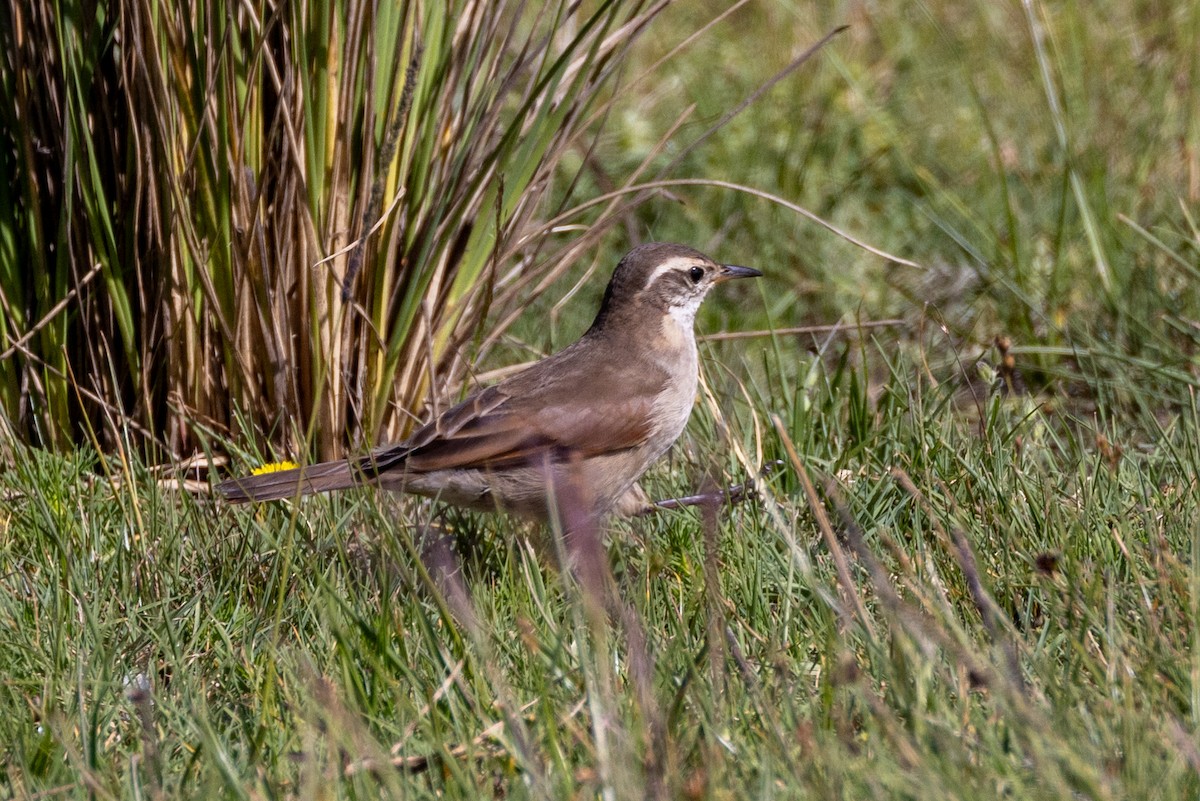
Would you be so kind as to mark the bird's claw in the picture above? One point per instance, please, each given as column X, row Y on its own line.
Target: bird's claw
column 731, row 495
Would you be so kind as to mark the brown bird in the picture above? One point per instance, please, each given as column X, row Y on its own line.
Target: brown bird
column 595, row 414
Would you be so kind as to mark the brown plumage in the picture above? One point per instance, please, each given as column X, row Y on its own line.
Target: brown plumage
column 598, row 412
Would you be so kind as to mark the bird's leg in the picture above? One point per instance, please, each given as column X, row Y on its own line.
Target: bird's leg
column 573, row 518
column 731, row 495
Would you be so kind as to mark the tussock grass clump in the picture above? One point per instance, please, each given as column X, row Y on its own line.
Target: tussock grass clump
column 300, row 212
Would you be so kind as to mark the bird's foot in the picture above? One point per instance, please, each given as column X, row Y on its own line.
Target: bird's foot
column 731, row 495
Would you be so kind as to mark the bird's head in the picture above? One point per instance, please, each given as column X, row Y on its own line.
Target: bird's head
column 672, row 279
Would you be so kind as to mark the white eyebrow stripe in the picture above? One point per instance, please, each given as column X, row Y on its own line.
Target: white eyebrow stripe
column 673, row 263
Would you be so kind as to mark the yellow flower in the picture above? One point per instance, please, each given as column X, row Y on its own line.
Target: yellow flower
column 274, row 467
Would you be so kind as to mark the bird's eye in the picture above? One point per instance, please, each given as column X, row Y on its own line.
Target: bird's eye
column 696, row 273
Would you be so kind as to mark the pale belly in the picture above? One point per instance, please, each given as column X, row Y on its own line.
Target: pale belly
column 597, row 483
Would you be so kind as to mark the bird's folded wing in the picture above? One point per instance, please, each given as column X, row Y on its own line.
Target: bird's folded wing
column 492, row 431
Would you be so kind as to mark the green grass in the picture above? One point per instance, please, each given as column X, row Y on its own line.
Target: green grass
column 157, row 644
column 1004, row 603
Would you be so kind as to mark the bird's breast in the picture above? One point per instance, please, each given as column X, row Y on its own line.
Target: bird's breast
column 679, row 361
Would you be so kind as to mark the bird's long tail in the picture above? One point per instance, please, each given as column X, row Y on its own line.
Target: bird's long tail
column 314, row 478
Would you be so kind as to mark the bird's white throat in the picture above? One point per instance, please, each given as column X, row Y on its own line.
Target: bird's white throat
column 679, row 332
column 684, row 314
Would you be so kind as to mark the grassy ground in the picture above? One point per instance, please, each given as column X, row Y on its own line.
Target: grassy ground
column 990, row 591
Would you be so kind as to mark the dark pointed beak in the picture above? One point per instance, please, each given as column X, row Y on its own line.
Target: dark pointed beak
column 731, row 271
